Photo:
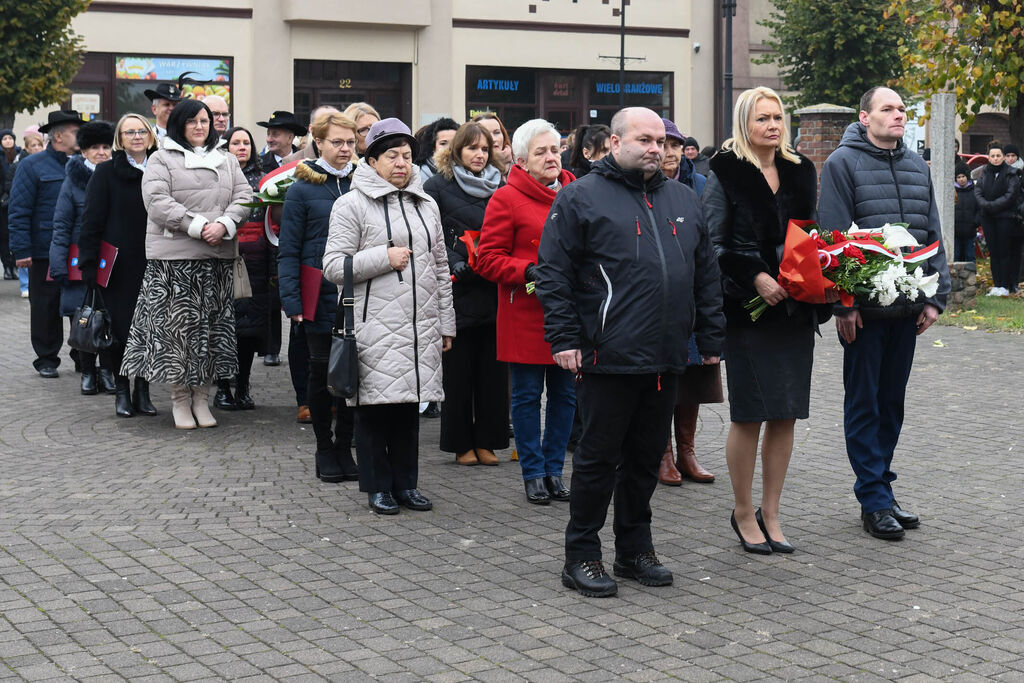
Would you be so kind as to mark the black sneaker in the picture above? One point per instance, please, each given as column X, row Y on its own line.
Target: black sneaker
column 645, row 568
column 589, row 578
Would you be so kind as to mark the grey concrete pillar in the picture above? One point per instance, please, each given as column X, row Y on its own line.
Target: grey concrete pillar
column 942, row 133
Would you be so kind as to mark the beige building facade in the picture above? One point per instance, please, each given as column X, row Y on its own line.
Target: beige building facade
column 420, row 59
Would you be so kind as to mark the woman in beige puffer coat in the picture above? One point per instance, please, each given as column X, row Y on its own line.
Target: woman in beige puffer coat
column 404, row 317
column 183, row 330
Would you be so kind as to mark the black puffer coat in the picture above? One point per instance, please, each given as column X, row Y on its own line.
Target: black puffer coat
column 476, row 299
column 748, row 222
column 966, row 216
column 305, row 223
column 251, row 314
column 626, row 271
column 1002, row 183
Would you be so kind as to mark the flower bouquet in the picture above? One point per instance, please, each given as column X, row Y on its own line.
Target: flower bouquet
column 865, row 264
column 273, row 186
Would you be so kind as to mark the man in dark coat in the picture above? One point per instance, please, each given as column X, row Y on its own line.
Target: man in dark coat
column 625, row 273
column 873, row 179
column 33, row 200
column 282, row 127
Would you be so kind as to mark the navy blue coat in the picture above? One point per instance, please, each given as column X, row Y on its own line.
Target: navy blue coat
column 34, row 192
column 67, row 227
column 305, row 222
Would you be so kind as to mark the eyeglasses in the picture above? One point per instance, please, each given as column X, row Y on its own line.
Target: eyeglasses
column 220, row 115
column 340, row 143
column 197, row 123
column 363, row 131
column 141, row 133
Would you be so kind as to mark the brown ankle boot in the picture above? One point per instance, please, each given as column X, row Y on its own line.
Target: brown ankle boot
column 686, row 425
column 667, row 472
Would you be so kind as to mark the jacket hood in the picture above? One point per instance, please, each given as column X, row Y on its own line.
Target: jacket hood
column 966, row 188
column 77, row 171
column 366, row 180
column 856, row 137
column 309, row 172
column 609, row 168
column 214, row 158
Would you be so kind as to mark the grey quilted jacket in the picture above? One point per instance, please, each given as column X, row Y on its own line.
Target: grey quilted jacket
column 400, row 317
column 182, row 192
column 870, row 186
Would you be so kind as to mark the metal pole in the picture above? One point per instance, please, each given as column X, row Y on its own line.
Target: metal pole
column 622, row 55
column 728, row 11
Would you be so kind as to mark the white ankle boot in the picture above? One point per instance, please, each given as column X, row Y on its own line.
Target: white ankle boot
column 180, row 408
column 201, row 406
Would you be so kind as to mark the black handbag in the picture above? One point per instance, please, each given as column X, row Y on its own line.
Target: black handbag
column 343, row 366
column 90, row 325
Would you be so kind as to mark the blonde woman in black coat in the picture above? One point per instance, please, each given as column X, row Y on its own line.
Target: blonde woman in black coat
column 758, row 183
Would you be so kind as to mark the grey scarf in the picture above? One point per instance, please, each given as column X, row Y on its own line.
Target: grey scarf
column 480, row 186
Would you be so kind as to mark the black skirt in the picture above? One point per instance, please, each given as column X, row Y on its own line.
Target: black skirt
column 768, row 369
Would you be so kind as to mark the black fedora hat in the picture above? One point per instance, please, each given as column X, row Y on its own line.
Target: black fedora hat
column 286, row 120
column 57, row 118
column 164, row 91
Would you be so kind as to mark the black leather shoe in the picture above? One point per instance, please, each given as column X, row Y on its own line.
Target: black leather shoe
column 777, row 546
column 537, row 492
column 48, row 372
column 907, row 520
column 89, row 387
column 243, row 401
column 413, row 499
column 881, row 524
column 756, row 548
column 645, row 568
column 224, row 400
column 107, row 382
column 123, row 400
column 589, row 578
column 140, row 398
column 383, row 503
column 556, row 489
column 328, row 469
column 272, row 359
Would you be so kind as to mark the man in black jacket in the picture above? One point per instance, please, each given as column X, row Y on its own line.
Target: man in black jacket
column 625, row 272
column 873, row 179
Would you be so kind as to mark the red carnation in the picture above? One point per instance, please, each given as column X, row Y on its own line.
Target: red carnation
column 838, row 237
column 854, row 252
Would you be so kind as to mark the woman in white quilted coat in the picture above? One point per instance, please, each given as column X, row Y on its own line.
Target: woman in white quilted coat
column 404, row 318
column 183, row 330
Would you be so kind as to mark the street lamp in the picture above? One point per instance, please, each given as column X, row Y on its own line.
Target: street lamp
column 728, row 12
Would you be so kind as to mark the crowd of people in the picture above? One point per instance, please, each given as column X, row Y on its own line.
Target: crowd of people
column 577, row 294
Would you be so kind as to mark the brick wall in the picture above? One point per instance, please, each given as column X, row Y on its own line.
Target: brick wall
column 821, row 128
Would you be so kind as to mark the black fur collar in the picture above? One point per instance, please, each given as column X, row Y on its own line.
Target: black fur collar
column 77, row 171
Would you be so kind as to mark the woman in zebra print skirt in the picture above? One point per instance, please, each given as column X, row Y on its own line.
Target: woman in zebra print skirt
column 183, row 332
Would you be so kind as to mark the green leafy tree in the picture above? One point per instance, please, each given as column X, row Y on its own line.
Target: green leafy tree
column 833, row 51
column 39, row 53
column 969, row 47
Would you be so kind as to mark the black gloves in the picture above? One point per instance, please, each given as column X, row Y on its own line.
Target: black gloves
column 531, row 273
column 461, row 271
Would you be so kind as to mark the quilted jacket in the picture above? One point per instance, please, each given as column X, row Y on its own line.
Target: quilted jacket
column 67, row 225
column 34, row 192
column 182, row 192
column 400, row 317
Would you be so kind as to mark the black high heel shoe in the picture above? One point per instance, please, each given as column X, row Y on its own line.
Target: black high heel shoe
column 777, row 546
column 757, row 548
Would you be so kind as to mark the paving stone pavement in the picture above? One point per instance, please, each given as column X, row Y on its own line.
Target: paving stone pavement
column 129, row 550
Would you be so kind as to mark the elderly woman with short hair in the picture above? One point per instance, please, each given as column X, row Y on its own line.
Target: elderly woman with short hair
column 183, row 332
column 508, row 255
column 391, row 230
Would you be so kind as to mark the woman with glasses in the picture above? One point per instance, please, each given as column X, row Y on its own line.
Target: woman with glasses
column 304, row 227
column 365, row 116
column 183, row 332
column 114, row 213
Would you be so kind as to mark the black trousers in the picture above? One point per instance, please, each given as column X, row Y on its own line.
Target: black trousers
column 475, row 410
column 387, row 446
column 298, row 362
column 1003, row 237
column 273, row 317
column 321, row 401
column 248, row 347
column 46, row 327
column 626, row 420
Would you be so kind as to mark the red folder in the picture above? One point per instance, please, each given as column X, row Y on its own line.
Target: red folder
column 310, row 279
column 108, row 254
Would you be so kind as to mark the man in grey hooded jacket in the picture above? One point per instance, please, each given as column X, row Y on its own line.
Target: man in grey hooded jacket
column 873, row 179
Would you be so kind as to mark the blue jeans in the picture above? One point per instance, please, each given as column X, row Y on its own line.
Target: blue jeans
column 540, row 456
column 23, row 278
column 876, row 367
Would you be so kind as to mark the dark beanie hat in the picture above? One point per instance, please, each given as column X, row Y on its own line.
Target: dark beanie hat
column 95, row 133
column 7, row 131
column 691, row 142
column 961, row 167
column 1011, row 149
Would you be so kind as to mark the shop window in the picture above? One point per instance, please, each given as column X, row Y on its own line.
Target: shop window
column 134, row 74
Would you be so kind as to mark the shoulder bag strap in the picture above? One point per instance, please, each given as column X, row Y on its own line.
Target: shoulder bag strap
column 345, row 314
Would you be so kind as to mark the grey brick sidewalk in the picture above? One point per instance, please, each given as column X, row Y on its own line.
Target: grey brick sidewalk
column 129, row 550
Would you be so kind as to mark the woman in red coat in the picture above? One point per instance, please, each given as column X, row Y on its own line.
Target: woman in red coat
column 507, row 254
